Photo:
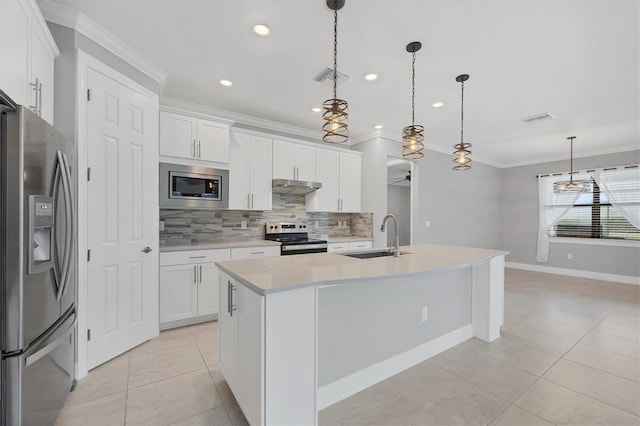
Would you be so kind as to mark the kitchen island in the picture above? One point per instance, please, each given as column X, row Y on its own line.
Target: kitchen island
column 300, row 333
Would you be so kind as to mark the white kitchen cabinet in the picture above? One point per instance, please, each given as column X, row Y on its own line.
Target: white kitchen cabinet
column 250, row 172
column 254, row 252
column 294, row 161
column 242, row 360
column 341, row 176
column 193, row 138
column 27, row 53
column 360, row 245
column 349, row 246
column 189, row 286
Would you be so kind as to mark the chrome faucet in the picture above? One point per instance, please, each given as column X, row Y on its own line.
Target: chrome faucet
column 396, row 249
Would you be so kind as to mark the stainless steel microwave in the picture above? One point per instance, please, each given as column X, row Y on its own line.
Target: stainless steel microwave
column 193, row 187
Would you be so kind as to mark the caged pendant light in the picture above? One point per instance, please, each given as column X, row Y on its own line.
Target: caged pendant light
column 335, row 111
column 573, row 186
column 412, row 136
column 462, row 151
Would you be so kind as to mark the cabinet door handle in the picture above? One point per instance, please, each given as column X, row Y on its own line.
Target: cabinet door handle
column 34, row 108
column 195, row 274
column 294, row 172
column 39, row 100
column 248, row 200
column 199, row 149
column 230, row 290
column 252, row 200
column 200, row 273
column 194, row 148
column 257, row 252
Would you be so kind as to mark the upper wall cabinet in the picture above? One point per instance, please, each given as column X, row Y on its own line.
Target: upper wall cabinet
column 193, row 138
column 27, row 53
column 293, row 161
column 250, row 173
column 341, row 176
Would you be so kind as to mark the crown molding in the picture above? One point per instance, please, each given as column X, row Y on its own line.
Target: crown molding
column 71, row 18
column 242, row 120
column 563, row 157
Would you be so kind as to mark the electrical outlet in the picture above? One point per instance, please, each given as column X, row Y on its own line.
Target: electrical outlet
column 243, row 224
column 425, row 314
column 427, row 224
column 570, row 256
column 316, row 223
column 161, row 226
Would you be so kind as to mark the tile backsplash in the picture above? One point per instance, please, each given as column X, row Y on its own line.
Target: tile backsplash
column 184, row 226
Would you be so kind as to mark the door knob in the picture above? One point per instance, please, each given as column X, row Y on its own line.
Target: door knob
column 147, row 250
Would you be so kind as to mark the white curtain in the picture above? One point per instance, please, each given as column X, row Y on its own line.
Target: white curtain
column 622, row 188
column 551, row 207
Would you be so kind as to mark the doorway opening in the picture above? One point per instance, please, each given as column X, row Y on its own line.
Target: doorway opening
column 400, row 185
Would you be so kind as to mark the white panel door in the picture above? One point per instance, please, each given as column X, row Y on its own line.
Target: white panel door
column 284, row 160
column 122, row 215
column 260, row 173
column 208, row 281
column 14, row 50
column 306, row 163
column 178, row 292
column 325, row 199
column 350, row 183
column 213, row 141
column 239, row 196
column 177, row 135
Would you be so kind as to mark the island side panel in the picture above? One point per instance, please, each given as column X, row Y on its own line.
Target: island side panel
column 290, row 359
column 371, row 329
column 488, row 299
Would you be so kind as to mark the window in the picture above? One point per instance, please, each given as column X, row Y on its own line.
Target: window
column 593, row 216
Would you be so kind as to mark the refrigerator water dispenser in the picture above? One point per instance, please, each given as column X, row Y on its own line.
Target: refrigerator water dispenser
column 41, row 233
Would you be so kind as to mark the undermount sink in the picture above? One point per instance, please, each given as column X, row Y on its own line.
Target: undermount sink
column 372, row 254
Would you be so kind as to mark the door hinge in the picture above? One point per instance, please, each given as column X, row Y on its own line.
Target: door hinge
column 88, row 173
column 88, row 255
column 88, row 94
column 88, row 334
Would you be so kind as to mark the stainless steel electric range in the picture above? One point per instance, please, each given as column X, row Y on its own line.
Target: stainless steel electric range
column 294, row 238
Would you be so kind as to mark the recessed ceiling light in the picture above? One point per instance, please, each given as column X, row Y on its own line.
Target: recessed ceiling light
column 437, row 104
column 371, row 77
column 316, row 109
column 226, row 83
column 261, row 30
column 378, row 126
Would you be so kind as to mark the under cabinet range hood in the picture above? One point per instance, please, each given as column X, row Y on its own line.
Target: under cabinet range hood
column 296, row 187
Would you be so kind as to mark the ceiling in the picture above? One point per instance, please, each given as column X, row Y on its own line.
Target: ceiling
column 577, row 60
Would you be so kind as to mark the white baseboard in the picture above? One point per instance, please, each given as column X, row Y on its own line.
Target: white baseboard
column 342, row 388
column 625, row 279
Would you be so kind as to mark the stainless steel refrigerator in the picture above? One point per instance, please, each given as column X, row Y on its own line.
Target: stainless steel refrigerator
column 38, row 283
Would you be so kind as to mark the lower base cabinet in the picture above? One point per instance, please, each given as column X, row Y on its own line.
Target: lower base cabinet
column 241, row 359
column 189, row 286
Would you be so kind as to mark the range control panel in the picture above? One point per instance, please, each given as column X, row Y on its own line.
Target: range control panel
column 285, row 228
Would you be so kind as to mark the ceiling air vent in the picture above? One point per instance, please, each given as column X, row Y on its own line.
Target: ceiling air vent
column 538, row 117
column 326, row 77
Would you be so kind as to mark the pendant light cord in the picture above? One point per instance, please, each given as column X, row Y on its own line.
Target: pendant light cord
column 413, row 90
column 462, row 115
column 335, row 53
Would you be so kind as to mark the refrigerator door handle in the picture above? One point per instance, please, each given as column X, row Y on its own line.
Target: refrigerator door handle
column 69, row 218
column 41, row 353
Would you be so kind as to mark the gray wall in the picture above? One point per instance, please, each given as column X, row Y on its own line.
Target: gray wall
column 399, row 204
column 519, row 220
column 366, row 322
column 462, row 206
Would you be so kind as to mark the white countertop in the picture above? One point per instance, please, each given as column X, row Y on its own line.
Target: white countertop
column 347, row 239
column 167, row 247
column 272, row 274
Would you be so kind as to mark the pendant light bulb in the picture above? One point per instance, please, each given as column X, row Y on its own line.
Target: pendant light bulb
column 412, row 136
column 335, row 111
column 462, row 150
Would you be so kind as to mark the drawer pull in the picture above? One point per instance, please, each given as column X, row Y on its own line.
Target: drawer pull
column 197, row 257
column 257, row 252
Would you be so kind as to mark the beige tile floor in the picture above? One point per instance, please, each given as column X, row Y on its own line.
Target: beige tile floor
column 569, row 355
